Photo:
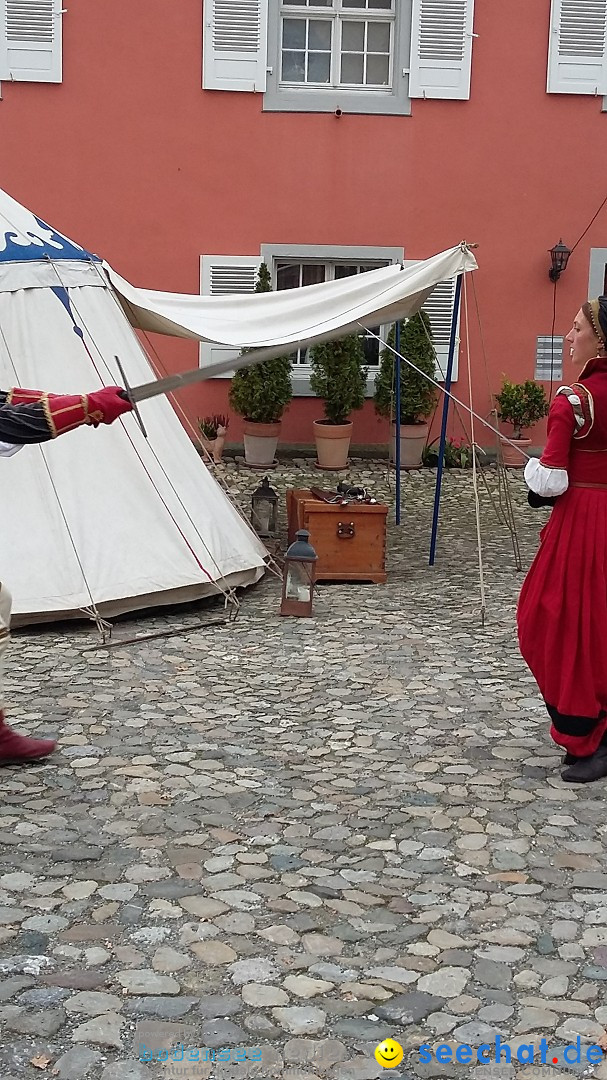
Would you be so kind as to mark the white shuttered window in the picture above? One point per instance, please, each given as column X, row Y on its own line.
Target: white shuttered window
column 225, row 275
column 577, row 53
column 441, row 49
column 30, row 40
column 228, row 275
column 375, row 54
column 439, row 308
column 235, row 37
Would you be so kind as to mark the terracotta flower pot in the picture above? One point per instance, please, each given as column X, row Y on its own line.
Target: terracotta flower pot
column 413, row 438
column 260, row 442
column 332, row 444
column 511, row 458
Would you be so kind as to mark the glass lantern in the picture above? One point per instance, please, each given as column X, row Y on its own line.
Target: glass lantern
column 559, row 257
column 299, row 576
column 264, row 509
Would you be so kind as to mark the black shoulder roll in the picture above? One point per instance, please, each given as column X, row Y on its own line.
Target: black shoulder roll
column 23, row 424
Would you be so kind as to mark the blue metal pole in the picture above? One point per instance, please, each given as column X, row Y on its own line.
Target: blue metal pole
column 397, row 409
column 443, row 434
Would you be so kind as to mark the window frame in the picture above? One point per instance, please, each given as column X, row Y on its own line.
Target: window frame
column 349, row 99
column 597, row 272
column 338, row 18
column 271, row 254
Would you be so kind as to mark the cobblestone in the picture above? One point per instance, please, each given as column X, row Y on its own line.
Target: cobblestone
column 303, row 836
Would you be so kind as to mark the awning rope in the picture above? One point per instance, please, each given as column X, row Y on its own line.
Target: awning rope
column 477, row 508
column 159, row 366
column 504, row 509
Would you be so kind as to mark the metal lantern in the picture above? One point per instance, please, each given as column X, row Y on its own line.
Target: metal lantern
column 299, row 576
column 264, row 509
column 559, row 255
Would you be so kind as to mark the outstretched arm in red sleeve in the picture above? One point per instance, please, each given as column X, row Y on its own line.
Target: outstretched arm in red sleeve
column 32, row 416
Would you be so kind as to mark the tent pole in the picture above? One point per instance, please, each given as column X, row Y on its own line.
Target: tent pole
column 443, row 434
column 397, row 419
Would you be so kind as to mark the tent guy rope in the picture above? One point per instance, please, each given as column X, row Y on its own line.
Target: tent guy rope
column 229, row 594
column 477, row 509
column 91, row 611
column 271, row 563
column 447, row 393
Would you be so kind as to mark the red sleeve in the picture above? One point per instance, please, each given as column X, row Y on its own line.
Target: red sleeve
column 561, row 427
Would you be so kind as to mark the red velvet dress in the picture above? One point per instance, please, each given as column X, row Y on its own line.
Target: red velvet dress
column 562, row 609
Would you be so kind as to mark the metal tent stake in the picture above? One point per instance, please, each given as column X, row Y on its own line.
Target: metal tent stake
column 443, row 434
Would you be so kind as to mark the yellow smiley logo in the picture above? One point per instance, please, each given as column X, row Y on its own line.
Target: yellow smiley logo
column 389, row 1053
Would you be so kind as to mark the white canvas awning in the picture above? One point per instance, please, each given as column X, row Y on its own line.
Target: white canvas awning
column 293, row 317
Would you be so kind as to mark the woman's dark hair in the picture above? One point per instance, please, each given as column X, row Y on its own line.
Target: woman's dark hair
column 603, row 315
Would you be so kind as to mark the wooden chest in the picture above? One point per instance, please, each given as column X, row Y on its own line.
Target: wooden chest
column 350, row 541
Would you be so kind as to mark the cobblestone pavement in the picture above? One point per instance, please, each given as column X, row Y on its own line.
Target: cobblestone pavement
column 303, row 836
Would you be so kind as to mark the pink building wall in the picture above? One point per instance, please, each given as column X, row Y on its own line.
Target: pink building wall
column 131, row 158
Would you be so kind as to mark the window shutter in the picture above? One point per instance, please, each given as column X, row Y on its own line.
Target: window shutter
column 439, row 308
column 577, row 53
column 235, row 39
column 30, row 40
column 225, row 275
column 441, row 49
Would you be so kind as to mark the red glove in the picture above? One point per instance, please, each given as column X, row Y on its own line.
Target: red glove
column 105, row 406
column 66, row 412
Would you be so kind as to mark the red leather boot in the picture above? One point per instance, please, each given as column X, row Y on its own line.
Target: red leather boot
column 18, row 749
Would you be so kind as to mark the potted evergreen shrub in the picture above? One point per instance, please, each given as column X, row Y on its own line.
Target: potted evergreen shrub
column 213, row 430
column 339, row 377
column 417, row 394
column 260, row 394
column 522, row 405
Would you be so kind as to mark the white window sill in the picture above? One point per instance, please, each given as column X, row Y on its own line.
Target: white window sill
column 301, row 386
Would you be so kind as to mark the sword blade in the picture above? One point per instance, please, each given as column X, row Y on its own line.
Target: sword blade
column 164, row 386
column 186, row 378
column 256, row 356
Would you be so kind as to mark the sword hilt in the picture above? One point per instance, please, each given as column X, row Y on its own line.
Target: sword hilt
column 128, row 396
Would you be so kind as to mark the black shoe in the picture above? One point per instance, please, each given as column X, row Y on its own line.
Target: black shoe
column 570, row 759
column 587, row 769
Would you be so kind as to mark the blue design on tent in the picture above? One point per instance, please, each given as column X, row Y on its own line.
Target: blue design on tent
column 29, row 246
column 62, row 294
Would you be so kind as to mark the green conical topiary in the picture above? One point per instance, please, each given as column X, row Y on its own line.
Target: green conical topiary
column 260, row 393
column 417, row 395
column 339, row 376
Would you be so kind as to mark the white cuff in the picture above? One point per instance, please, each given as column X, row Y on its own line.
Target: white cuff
column 543, row 481
column 7, row 449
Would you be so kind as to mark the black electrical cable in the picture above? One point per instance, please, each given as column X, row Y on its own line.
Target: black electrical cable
column 552, row 343
column 590, row 224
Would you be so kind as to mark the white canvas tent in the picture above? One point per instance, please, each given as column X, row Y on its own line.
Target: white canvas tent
column 105, row 519
column 99, row 516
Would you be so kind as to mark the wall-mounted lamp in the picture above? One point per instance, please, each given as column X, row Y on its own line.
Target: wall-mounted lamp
column 559, row 255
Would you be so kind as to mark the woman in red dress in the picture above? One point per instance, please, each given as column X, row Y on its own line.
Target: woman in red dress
column 562, row 609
